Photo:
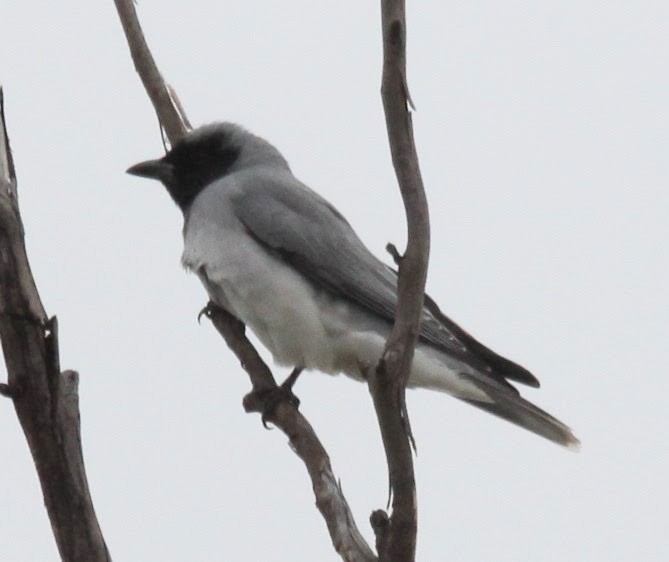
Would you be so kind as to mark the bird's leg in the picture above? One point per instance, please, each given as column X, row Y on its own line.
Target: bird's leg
column 290, row 381
column 266, row 400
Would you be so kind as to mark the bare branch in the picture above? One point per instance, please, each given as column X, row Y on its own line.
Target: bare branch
column 168, row 107
column 46, row 400
column 387, row 383
column 346, row 538
column 233, row 332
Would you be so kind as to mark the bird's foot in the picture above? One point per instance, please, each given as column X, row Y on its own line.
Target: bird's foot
column 266, row 400
column 206, row 311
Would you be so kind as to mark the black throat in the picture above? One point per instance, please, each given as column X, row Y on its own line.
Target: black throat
column 197, row 162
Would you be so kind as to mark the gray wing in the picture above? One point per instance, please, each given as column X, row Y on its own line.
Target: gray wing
column 308, row 233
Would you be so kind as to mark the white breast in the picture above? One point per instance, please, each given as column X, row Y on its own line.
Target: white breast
column 285, row 312
column 299, row 324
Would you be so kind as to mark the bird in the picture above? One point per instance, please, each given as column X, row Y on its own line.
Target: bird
column 284, row 261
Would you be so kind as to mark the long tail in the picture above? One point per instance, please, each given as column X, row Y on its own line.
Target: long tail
column 509, row 405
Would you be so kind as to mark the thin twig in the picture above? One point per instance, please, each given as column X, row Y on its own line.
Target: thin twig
column 164, row 99
column 388, row 382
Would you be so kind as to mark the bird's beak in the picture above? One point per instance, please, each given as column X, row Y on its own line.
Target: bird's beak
column 154, row 169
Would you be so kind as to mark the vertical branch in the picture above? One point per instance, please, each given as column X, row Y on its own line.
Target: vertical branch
column 396, row 536
column 46, row 400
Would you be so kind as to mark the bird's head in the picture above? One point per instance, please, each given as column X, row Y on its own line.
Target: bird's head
column 205, row 155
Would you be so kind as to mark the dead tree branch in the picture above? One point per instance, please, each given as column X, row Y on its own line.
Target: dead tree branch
column 330, row 500
column 45, row 399
column 346, row 538
column 396, row 537
column 165, row 101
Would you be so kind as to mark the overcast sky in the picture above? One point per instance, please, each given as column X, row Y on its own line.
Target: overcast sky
column 542, row 129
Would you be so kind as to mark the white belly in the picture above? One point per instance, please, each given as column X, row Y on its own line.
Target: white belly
column 293, row 320
column 301, row 325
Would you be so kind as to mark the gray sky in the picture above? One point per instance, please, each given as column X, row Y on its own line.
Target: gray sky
column 542, row 131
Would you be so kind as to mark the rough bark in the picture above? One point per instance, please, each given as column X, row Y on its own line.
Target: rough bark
column 45, row 399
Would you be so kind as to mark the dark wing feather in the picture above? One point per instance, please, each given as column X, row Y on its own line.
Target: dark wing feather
column 312, row 236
